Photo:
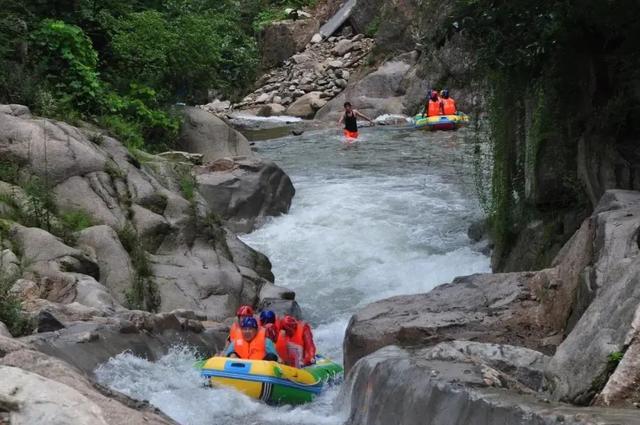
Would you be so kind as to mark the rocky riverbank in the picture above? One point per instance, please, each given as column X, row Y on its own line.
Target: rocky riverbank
column 512, row 347
column 309, row 79
column 92, row 233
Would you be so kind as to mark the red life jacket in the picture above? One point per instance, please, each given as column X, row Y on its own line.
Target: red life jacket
column 449, row 106
column 271, row 331
column 254, row 350
column 292, row 349
column 434, row 108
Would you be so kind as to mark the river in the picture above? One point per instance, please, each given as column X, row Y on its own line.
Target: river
column 382, row 217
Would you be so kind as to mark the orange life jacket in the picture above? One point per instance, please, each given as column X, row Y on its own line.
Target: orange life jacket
column 449, row 106
column 434, row 108
column 254, row 350
column 291, row 348
column 235, row 332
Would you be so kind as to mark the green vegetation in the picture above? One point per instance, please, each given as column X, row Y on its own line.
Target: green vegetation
column 122, row 64
column 557, row 70
column 143, row 295
column 188, row 186
column 10, row 306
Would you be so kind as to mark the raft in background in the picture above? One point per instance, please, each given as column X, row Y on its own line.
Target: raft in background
column 441, row 122
column 272, row 382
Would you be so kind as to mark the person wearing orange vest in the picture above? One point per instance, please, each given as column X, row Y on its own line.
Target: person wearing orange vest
column 434, row 105
column 295, row 343
column 448, row 104
column 253, row 344
column 242, row 312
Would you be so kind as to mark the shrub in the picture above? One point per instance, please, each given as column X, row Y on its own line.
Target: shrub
column 66, row 61
column 143, row 294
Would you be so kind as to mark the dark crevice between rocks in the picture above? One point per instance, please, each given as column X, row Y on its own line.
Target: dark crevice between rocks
column 599, row 382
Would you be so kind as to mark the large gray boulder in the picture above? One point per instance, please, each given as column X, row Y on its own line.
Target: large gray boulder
column 307, row 105
column 206, row 134
column 247, row 193
column 581, row 366
column 430, row 387
column 52, row 150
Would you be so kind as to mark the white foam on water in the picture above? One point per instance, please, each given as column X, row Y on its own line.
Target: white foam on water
column 383, row 218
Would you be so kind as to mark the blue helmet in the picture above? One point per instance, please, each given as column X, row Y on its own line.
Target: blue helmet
column 249, row 322
column 445, row 93
column 267, row 316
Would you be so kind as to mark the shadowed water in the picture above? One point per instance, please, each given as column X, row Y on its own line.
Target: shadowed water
column 385, row 216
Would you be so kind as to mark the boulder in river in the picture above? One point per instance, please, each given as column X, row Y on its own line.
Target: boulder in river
column 204, row 133
column 307, row 105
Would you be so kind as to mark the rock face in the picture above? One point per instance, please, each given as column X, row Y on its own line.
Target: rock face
column 583, row 313
column 430, row 387
column 156, row 242
column 611, row 322
column 280, row 40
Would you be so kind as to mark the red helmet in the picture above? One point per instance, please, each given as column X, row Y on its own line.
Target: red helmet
column 244, row 310
column 289, row 323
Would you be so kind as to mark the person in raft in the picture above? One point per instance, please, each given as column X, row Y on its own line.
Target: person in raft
column 295, row 343
column 448, row 104
column 434, row 106
column 269, row 322
column 235, row 332
column 253, row 343
column 350, row 119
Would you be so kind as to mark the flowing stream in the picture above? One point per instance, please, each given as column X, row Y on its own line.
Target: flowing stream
column 385, row 216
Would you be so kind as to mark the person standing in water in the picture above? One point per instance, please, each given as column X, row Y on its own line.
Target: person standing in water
column 350, row 119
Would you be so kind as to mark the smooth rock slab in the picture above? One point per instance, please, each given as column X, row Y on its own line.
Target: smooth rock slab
column 395, row 386
column 44, row 401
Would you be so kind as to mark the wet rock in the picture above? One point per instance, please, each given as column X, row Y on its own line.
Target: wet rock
column 317, row 38
column 53, row 392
